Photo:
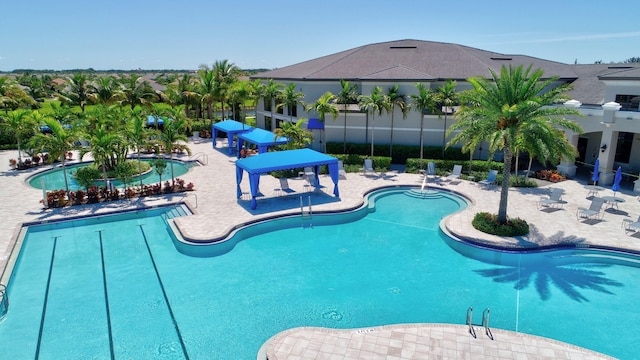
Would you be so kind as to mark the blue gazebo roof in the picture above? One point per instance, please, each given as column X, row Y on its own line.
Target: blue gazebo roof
column 282, row 160
column 232, row 128
column 261, row 138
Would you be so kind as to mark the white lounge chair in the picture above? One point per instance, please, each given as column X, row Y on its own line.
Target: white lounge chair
column 431, row 169
column 630, row 225
column 455, row 174
column 594, row 211
column 491, row 178
column 552, row 200
column 341, row 173
column 368, row 167
column 284, row 187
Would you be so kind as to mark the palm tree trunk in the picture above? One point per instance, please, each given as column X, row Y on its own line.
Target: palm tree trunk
column 393, row 108
column 373, row 129
column 344, row 137
column 444, row 131
column 64, row 172
column 140, row 169
column 504, row 192
column 173, row 183
column 421, row 139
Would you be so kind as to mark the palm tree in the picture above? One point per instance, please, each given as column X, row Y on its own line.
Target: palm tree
column 103, row 145
column 348, row 95
column 513, row 104
column 21, row 122
column 136, row 91
column 396, row 99
column 225, row 73
column 291, row 99
column 79, row 91
column 105, row 90
column 376, row 102
column 241, row 91
column 206, row 89
column 12, row 96
column 137, row 136
column 323, row 106
column 299, row 137
column 57, row 143
column 447, row 97
column 272, row 91
column 172, row 134
column 424, row 101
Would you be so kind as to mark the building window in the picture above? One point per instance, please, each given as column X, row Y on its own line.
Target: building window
column 623, row 151
column 279, row 107
column 267, row 104
column 628, row 102
column 293, row 111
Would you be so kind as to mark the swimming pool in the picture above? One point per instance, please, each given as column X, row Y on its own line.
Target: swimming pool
column 92, row 289
column 54, row 179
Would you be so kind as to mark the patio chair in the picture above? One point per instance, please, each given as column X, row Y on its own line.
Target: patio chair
column 455, row 174
column 284, row 187
column 630, row 225
column 594, row 211
column 491, row 178
column 552, row 200
column 368, row 167
column 341, row 173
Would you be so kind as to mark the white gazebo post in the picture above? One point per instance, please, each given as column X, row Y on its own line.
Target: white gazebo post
column 567, row 166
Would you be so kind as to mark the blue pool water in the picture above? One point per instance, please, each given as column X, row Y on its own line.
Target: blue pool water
column 117, row 285
column 54, row 179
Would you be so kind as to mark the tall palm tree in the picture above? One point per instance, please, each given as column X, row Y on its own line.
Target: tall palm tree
column 513, row 104
column 291, row 99
column 12, row 96
column 138, row 135
column 103, row 146
column 225, row 74
column 397, row 99
column 136, row 91
column 299, row 137
column 79, row 91
column 21, row 122
column 348, row 95
column 240, row 92
column 173, row 137
column 447, row 97
column 323, row 106
column 376, row 102
column 104, row 90
column 206, row 89
column 57, row 143
column 424, row 101
column 272, row 92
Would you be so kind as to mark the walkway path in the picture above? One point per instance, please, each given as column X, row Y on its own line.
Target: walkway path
column 217, row 211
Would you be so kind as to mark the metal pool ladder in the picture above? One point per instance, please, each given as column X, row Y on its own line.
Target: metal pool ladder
column 4, row 301
column 306, row 214
column 485, row 322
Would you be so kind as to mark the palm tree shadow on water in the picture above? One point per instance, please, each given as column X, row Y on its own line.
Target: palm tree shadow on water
column 568, row 279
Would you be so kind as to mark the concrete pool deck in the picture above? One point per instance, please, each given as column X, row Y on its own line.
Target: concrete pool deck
column 217, row 212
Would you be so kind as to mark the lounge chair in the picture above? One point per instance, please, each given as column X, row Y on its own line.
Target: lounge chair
column 431, row 169
column 284, row 187
column 491, row 178
column 341, row 173
column 552, row 200
column 630, row 225
column 455, row 174
column 368, row 167
column 594, row 211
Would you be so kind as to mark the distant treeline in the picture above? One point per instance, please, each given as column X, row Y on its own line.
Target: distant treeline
column 137, row 71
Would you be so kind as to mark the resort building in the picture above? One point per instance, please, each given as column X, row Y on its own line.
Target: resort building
column 607, row 95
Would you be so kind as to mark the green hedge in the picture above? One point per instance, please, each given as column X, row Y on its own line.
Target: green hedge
column 400, row 152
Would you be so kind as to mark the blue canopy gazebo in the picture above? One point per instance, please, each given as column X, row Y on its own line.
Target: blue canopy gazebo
column 232, row 128
column 282, row 160
column 261, row 138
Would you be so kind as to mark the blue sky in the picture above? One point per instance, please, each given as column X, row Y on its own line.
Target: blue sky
column 163, row 34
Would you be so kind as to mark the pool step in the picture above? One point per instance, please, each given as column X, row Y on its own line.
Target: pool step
column 424, row 194
column 176, row 212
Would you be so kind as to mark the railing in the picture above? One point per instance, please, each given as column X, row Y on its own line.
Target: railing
column 485, row 323
column 306, row 213
column 194, row 195
column 4, row 301
column 470, row 321
column 200, row 155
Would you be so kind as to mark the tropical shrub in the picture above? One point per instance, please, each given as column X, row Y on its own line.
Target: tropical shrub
column 488, row 223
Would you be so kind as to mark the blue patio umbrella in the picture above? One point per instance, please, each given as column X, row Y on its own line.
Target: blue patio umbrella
column 616, row 181
column 595, row 177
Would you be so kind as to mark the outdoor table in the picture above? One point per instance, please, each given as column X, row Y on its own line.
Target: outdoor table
column 612, row 201
column 593, row 190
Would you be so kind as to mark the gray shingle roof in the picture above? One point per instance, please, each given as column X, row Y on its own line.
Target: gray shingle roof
column 411, row 60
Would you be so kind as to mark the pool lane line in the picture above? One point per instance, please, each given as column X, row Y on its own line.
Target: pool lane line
column 46, row 298
column 106, row 297
column 164, row 294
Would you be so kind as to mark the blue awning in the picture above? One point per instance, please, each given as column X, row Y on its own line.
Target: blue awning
column 315, row 124
column 151, row 120
column 261, row 138
column 231, row 127
column 282, row 160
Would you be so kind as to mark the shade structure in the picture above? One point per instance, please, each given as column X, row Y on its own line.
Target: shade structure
column 315, row 124
column 616, row 181
column 153, row 120
column 263, row 139
column 595, row 176
column 232, row 128
column 282, row 160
